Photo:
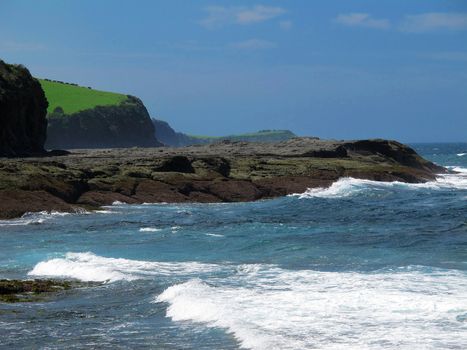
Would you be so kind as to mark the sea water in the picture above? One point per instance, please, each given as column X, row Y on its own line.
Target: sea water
column 359, row 265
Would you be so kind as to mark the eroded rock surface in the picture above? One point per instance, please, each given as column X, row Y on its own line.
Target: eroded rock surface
column 224, row 172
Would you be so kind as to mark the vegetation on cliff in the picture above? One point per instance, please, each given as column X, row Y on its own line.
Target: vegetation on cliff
column 23, row 108
column 71, row 98
column 81, row 117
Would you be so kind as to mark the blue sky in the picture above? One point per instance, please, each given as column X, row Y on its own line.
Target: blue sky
column 334, row 69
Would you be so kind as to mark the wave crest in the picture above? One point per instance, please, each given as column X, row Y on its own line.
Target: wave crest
column 347, row 187
column 91, row 267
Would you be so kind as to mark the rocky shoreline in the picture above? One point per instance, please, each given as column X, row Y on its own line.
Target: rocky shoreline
column 223, row 172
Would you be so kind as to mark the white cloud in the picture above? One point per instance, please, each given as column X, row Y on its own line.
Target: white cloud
column 427, row 22
column 253, row 44
column 218, row 16
column 258, row 13
column 285, row 25
column 362, row 20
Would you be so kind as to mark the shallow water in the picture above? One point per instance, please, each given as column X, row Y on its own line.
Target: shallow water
column 360, row 265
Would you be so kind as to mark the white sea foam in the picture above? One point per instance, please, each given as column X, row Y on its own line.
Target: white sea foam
column 91, row 267
column 265, row 307
column 348, row 186
column 459, row 169
column 461, row 154
column 214, row 235
column 104, row 212
column 36, row 218
column 149, row 229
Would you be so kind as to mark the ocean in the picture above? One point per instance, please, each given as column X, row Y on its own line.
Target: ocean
column 360, row 265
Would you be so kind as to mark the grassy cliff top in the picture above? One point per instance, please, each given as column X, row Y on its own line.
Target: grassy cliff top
column 73, row 98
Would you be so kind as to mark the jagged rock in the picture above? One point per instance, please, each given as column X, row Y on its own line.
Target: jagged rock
column 23, row 109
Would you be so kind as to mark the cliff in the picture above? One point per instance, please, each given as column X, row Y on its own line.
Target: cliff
column 82, row 117
column 167, row 135
column 221, row 172
column 23, row 107
column 125, row 125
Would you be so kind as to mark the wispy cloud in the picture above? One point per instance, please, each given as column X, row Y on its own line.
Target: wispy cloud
column 285, row 25
column 253, row 44
column 428, row 22
column 218, row 16
column 362, row 20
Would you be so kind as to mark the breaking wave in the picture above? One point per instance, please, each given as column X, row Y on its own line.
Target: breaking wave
column 91, row 267
column 346, row 187
column 266, row 307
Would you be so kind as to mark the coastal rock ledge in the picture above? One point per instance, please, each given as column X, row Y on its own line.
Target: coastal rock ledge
column 222, row 172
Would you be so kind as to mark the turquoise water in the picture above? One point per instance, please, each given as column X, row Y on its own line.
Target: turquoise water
column 361, row 265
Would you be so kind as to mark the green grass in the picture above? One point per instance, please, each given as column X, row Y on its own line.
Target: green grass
column 73, row 98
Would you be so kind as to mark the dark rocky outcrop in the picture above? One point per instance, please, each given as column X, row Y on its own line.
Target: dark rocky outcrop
column 124, row 125
column 13, row 291
column 393, row 150
column 23, row 109
column 222, row 172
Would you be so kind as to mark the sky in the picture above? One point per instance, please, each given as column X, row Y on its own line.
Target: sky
column 342, row 69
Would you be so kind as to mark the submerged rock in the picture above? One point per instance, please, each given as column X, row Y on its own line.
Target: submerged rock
column 23, row 109
column 12, row 291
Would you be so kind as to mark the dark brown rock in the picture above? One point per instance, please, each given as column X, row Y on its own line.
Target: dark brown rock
column 14, row 203
column 12, row 291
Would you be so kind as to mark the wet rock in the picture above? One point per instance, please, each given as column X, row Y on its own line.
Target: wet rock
column 12, row 291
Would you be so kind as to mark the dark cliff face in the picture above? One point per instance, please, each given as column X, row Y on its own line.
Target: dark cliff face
column 125, row 125
column 23, row 109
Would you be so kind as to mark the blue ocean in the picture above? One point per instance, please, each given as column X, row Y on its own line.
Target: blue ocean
column 359, row 265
